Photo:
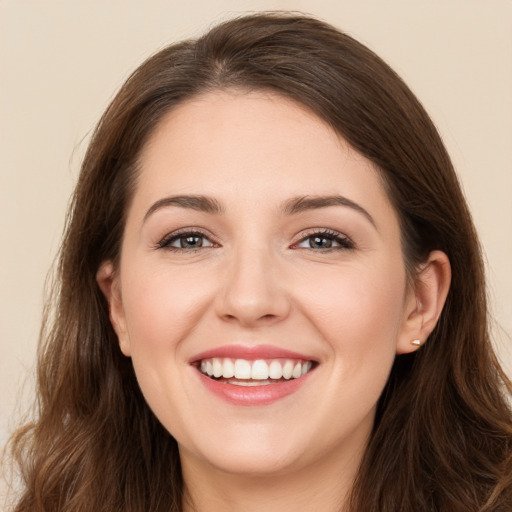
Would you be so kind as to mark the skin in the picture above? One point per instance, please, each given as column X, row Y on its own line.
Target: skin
column 256, row 280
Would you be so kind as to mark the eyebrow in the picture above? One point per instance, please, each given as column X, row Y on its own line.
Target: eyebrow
column 304, row 203
column 193, row 202
column 290, row 207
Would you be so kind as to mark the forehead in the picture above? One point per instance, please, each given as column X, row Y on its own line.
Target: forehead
column 255, row 146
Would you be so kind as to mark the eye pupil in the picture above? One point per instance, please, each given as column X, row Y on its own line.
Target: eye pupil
column 191, row 241
column 320, row 242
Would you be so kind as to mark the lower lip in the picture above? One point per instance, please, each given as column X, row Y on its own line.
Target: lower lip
column 252, row 395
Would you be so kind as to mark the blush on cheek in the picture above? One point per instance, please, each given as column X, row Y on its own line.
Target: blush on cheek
column 161, row 311
column 354, row 313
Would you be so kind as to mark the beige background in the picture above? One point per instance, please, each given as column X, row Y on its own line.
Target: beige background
column 61, row 61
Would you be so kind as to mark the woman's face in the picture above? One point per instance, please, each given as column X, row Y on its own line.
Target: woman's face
column 261, row 248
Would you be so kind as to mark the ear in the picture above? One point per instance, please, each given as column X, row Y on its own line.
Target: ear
column 108, row 281
column 424, row 302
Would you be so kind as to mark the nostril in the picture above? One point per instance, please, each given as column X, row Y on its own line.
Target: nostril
column 266, row 317
column 252, row 302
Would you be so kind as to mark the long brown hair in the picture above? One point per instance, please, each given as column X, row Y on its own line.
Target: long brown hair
column 442, row 439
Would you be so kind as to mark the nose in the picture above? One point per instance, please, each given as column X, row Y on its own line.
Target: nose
column 253, row 292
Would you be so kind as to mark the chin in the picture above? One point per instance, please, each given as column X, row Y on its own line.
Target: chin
column 250, row 452
column 253, row 462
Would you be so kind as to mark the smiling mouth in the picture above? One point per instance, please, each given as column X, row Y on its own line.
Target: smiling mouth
column 258, row 372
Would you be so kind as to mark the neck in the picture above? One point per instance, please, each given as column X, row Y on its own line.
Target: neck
column 323, row 485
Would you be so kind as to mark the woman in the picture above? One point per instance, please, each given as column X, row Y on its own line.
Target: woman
column 270, row 296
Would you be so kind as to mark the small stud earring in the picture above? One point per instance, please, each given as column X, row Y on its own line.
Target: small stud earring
column 416, row 342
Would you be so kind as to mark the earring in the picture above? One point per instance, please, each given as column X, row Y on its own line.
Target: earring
column 416, row 342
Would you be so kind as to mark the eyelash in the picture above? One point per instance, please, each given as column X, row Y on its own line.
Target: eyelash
column 166, row 242
column 343, row 241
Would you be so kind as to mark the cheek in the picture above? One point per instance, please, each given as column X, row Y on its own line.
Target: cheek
column 359, row 311
column 161, row 307
column 358, row 316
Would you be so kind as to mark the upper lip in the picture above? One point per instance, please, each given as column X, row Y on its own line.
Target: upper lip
column 250, row 353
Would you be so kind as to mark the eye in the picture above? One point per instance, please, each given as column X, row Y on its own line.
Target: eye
column 325, row 240
column 185, row 241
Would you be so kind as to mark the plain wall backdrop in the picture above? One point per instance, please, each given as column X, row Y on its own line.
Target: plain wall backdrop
column 62, row 61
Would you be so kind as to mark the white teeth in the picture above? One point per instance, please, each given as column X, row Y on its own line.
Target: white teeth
column 228, row 369
column 297, row 371
column 306, row 367
column 249, row 383
column 242, row 369
column 288, row 370
column 259, row 370
column 217, row 367
column 275, row 370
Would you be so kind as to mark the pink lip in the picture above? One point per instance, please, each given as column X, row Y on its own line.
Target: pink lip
column 251, row 395
column 250, row 353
